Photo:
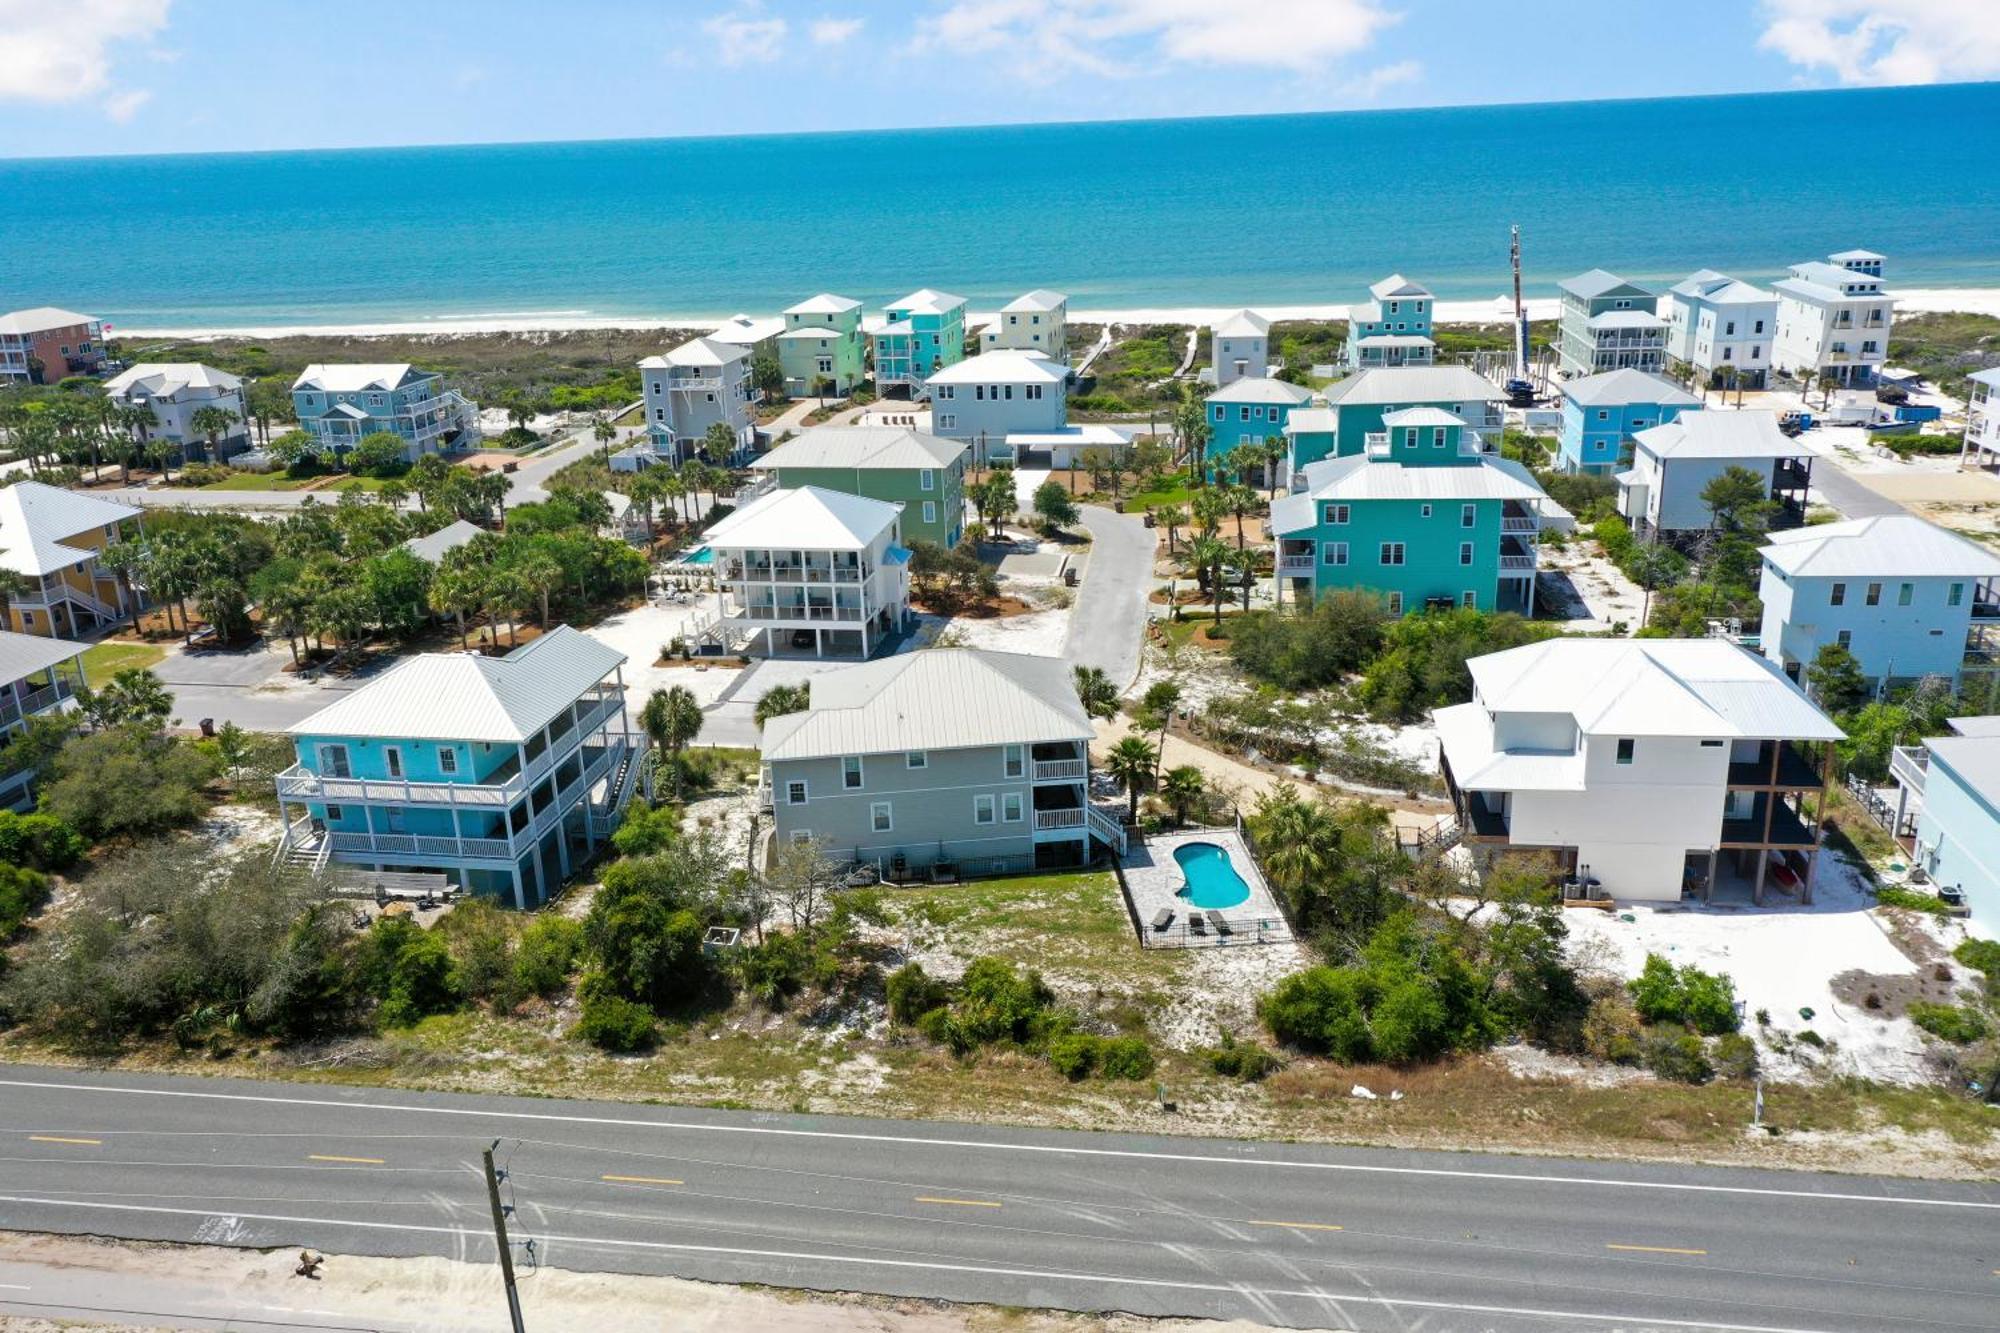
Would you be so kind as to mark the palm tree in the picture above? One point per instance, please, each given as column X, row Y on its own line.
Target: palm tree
column 604, row 432
column 1183, row 786
column 11, row 586
column 455, row 590
column 1210, row 508
column 780, row 700
column 210, row 422
column 672, row 718
column 1207, row 555
column 540, row 575
column 1095, row 691
column 1172, row 518
column 161, row 452
column 1162, row 698
column 1300, row 842
column 1242, row 500
column 1131, row 761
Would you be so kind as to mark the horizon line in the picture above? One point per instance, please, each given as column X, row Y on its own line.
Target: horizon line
column 999, row 125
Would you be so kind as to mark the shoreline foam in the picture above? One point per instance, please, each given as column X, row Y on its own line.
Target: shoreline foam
column 1930, row 300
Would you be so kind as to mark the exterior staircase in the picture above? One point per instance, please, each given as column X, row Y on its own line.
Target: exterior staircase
column 308, row 855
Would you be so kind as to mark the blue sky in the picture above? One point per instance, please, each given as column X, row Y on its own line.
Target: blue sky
column 133, row 76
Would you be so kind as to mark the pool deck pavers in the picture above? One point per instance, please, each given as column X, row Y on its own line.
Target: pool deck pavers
column 1153, row 879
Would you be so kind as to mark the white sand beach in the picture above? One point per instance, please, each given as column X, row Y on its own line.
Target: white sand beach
column 1909, row 301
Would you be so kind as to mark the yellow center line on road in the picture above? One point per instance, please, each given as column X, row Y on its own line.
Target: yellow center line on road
column 51, row 1138
column 1656, row 1249
column 958, row 1203
column 641, row 1180
column 1296, row 1226
column 358, row 1161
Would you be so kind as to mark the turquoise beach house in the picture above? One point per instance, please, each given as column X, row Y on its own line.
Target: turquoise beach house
column 1908, row 598
column 1356, row 406
column 504, row 774
column 340, row 404
column 1948, row 812
column 1601, row 414
column 822, row 346
column 1607, row 323
column 1422, row 517
column 1393, row 328
column 915, row 337
column 1250, row 411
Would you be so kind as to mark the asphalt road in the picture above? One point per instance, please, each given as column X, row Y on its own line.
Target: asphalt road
column 1107, row 625
column 1282, row 1234
column 1852, row 497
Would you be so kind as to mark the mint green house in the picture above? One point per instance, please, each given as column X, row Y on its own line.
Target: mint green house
column 1355, row 408
column 1421, row 516
column 1250, row 410
column 915, row 337
column 821, row 345
column 921, row 472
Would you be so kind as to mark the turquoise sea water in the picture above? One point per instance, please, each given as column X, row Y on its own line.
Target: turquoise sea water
column 1274, row 209
column 1211, row 880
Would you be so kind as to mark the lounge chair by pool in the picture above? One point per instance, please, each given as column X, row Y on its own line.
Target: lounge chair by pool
column 1195, row 923
column 1221, row 926
column 1163, row 918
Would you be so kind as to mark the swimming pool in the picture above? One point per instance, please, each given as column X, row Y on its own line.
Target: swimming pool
column 1211, row 880
column 701, row 555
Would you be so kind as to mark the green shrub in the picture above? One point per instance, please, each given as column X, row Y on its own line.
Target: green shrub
column 1982, row 956
column 546, row 953
column 1954, row 1023
column 614, row 1024
column 1611, row 1030
column 1914, row 900
column 1075, row 1054
column 912, row 993
column 1244, row 1061
column 21, row 892
column 1678, row 1056
column 1704, row 1001
column 1735, row 1056
column 1125, row 1057
column 410, row 971
column 646, row 831
column 40, row 842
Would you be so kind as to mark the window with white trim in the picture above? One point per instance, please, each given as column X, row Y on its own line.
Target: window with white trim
column 930, row 511
column 1333, row 553
column 1395, row 604
column 1468, row 516
column 392, row 760
column 927, row 480
column 850, row 772
column 1337, row 515
column 982, row 808
column 1465, row 553
column 1014, row 761
column 447, row 759
column 917, row 759
column 881, row 818
column 1010, row 807
column 1392, row 553
column 795, row 792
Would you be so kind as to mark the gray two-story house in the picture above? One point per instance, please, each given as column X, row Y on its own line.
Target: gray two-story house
column 948, row 757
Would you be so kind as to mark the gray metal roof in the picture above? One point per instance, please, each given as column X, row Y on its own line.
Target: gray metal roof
column 1410, row 385
column 1620, row 388
column 1040, row 299
column 863, row 447
column 933, row 699
column 466, row 697
column 36, row 517
column 1892, row 545
column 1973, row 760
column 1746, row 434
column 22, row 655
column 1598, row 282
column 432, row 547
column 1261, row 389
column 805, row 518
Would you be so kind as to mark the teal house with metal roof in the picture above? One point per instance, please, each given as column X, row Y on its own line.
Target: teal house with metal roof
column 1601, row 414
column 1422, row 516
column 1356, row 406
column 1250, row 411
column 504, row 774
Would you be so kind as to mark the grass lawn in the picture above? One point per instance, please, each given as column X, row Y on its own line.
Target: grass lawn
column 106, row 659
column 1073, row 922
column 278, row 481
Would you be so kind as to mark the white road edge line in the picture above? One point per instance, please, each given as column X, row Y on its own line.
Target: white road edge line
column 907, row 1140
column 1218, row 1288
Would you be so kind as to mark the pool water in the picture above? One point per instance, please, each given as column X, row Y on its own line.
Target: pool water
column 700, row 556
column 1211, row 880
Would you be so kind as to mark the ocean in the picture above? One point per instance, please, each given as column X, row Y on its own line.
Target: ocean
column 1280, row 210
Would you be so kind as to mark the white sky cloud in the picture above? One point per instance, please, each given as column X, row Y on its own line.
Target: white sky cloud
column 121, row 107
column 744, row 39
column 832, row 31
column 58, row 52
column 1121, row 37
column 1887, row 41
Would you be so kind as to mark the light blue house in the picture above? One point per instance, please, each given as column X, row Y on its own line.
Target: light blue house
column 1607, row 323
column 1948, row 812
column 987, row 398
column 1601, row 414
column 1356, row 406
column 1906, row 597
column 1393, row 328
column 916, row 337
column 1422, row 516
column 1251, row 411
column 340, row 404
column 1673, row 464
column 505, row 774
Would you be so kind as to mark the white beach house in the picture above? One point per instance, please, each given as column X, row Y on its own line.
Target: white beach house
column 809, row 572
column 1673, row 463
column 1239, row 346
column 1834, row 319
column 1722, row 327
column 1036, row 321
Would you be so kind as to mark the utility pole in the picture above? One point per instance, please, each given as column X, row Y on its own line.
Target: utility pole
column 500, row 1239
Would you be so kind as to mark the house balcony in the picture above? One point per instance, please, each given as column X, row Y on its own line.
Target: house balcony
column 1784, row 827
column 1376, row 443
column 757, row 613
column 1060, row 811
column 739, row 572
column 1296, row 566
column 1481, row 824
column 1060, row 821
column 1779, row 765
column 301, row 784
column 1057, row 768
column 701, row 384
column 1909, row 765
column 13, row 710
column 1791, row 474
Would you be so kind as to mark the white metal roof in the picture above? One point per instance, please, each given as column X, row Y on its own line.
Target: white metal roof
column 708, row 353
column 1412, row 385
column 1242, row 324
column 1083, row 433
column 1038, row 301
column 1700, row 283
column 826, row 303
column 1828, row 282
column 1651, row 687
column 1358, row 477
column 1990, row 377
column 1891, row 544
column 1395, row 340
column 933, row 699
column 1422, row 416
column 806, row 518
column 745, row 330
column 160, row 379
column 1718, row 435
column 863, row 447
column 466, row 697
column 1626, row 319
column 1465, row 733
column 1597, row 282
column 1397, row 287
column 1857, row 256
column 22, row 655
column 1621, row 388
column 927, row 301
column 1973, row 760
column 40, row 319
column 1003, row 365
column 1261, row 389
column 432, row 546
column 816, row 331
column 1312, row 421
column 35, row 520
column 354, row 377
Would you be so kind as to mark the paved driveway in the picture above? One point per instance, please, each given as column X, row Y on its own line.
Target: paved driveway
column 1849, row 495
column 1109, row 621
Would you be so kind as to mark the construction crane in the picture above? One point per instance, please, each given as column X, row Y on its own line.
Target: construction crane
column 1520, row 389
